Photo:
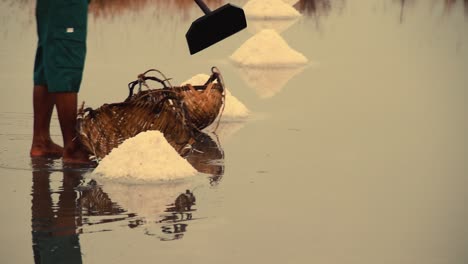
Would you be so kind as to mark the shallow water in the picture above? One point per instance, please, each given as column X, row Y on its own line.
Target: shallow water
column 359, row 157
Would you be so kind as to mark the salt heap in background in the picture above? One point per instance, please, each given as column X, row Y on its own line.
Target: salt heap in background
column 269, row 9
column 270, row 14
column 147, row 156
column 233, row 108
column 267, row 49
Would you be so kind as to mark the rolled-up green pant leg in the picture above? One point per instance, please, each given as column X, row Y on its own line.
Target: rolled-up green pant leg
column 61, row 51
column 42, row 6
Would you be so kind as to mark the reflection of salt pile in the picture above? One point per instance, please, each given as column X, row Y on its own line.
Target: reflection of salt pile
column 147, row 156
column 226, row 130
column 279, row 25
column 233, row 109
column 269, row 9
column 146, row 200
column 267, row 50
column 268, row 82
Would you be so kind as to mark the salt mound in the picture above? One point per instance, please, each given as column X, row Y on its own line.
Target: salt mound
column 269, row 9
column 267, row 49
column 147, row 156
column 234, row 108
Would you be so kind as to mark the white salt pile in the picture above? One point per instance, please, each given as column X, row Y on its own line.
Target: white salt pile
column 269, row 9
column 267, row 49
column 147, row 156
column 233, row 109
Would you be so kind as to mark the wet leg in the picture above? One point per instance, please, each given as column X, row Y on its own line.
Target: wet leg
column 66, row 104
column 43, row 105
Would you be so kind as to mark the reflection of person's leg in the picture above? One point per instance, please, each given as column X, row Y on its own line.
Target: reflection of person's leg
column 43, row 105
column 41, row 209
column 54, row 232
column 66, row 103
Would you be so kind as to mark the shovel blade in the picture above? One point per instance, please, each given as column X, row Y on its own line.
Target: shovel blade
column 214, row 27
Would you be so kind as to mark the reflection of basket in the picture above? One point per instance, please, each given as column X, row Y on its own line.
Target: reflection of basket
column 206, row 155
column 94, row 201
column 175, row 111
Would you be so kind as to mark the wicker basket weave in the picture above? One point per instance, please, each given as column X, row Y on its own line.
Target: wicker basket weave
column 175, row 111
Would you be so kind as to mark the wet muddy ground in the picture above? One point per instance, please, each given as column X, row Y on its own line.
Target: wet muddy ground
column 358, row 157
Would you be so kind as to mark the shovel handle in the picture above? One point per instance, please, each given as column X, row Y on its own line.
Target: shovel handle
column 203, row 6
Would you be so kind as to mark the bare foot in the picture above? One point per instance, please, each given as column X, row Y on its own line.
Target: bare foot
column 46, row 149
column 76, row 155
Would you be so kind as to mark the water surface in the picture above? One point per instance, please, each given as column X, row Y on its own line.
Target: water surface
column 360, row 157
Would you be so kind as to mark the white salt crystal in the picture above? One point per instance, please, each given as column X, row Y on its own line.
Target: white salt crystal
column 267, row 49
column 147, row 156
column 233, row 109
column 269, row 9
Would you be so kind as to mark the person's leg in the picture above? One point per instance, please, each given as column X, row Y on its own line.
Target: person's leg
column 74, row 151
column 43, row 105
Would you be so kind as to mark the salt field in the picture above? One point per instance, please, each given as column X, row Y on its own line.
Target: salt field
column 343, row 139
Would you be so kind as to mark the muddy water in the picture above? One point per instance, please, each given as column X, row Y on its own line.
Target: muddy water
column 359, row 157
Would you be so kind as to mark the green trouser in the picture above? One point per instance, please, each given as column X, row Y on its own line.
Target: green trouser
column 61, row 49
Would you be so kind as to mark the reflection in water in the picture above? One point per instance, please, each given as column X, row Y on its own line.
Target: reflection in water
column 319, row 8
column 448, row 6
column 180, row 211
column 93, row 201
column 54, row 228
column 226, row 130
column 268, row 82
column 148, row 203
column 207, row 156
column 316, row 7
column 279, row 25
column 152, row 202
column 109, row 9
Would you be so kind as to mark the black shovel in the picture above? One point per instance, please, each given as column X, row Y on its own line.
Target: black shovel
column 214, row 26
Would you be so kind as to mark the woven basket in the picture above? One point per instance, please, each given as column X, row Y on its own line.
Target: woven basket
column 202, row 103
column 175, row 111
